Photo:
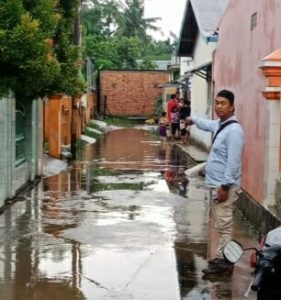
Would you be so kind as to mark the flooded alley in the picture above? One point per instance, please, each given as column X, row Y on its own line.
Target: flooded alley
column 122, row 222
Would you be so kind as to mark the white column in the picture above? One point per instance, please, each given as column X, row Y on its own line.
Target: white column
column 272, row 151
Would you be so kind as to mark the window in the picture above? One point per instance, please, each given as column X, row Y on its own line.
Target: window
column 254, row 20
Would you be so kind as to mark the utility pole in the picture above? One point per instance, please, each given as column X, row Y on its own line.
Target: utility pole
column 76, row 42
column 77, row 24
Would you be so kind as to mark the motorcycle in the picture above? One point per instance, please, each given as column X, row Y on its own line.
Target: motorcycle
column 266, row 261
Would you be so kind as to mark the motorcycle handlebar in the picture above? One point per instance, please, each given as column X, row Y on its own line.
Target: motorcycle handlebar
column 257, row 280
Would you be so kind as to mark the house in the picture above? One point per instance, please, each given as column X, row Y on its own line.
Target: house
column 248, row 62
column 21, row 145
column 197, row 42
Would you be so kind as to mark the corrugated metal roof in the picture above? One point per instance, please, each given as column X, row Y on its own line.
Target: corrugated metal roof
column 208, row 14
column 201, row 16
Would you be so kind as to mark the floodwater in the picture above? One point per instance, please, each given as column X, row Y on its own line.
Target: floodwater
column 121, row 223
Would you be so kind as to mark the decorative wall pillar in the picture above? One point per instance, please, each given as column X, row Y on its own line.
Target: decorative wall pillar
column 271, row 68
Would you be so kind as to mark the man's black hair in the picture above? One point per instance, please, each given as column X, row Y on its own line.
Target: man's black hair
column 227, row 94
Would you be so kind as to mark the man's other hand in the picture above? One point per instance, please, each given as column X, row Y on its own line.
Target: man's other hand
column 222, row 195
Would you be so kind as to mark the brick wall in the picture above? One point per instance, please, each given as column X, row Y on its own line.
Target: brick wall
column 130, row 93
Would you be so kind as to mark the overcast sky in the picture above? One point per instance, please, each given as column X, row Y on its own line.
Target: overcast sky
column 171, row 12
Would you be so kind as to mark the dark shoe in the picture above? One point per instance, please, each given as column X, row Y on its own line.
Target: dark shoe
column 216, row 261
column 219, row 268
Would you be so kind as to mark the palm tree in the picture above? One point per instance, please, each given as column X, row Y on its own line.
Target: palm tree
column 131, row 21
column 99, row 17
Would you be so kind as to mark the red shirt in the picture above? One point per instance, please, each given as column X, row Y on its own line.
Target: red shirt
column 170, row 105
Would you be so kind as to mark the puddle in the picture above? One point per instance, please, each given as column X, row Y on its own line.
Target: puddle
column 123, row 222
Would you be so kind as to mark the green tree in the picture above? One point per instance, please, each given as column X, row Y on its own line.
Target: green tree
column 36, row 48
column 99, row 19
column 160, row 50
column 115, row 35
column 68, row 80
column 131, row 20
column 146, row 64
column 114, row 53
column 26, row 60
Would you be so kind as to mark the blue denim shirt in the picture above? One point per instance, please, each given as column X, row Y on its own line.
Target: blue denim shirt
column 224, row 161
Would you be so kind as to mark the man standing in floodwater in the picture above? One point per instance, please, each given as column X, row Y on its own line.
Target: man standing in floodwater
column 172, row 103
column 223, row 171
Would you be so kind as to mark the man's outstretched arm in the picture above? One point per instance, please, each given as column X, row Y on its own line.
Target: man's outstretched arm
column 203, row 124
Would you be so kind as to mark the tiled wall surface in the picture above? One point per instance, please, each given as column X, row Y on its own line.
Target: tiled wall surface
column 5, row 133
column 12, row 177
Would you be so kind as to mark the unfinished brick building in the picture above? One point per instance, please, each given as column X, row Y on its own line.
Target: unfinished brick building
column 130, row 93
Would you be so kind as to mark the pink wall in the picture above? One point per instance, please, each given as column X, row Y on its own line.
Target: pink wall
column 236, row 67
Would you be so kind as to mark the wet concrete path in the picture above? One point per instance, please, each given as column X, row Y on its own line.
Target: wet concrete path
column 121, row 223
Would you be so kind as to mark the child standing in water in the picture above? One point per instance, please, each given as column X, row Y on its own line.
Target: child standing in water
column 184, row 112
column 163, row 122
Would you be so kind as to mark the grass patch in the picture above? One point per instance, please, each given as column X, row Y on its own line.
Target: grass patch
column 122, row 122
column 95, row 126
column 79, row 145
column 96, row 186
column 95, row 172
column 92, row 134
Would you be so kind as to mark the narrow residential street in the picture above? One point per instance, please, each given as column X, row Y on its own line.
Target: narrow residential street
column 123, row 222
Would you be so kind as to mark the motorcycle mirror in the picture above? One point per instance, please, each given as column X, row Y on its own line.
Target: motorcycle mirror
column 232, row 251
